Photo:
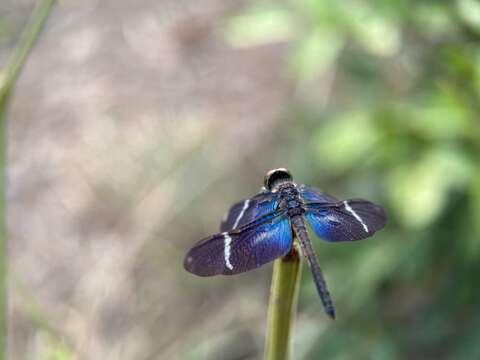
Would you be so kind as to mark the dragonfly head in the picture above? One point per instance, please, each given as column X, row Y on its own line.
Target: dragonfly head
column 276, row 177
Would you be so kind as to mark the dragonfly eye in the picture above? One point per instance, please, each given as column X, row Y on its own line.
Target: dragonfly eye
column 275, row 177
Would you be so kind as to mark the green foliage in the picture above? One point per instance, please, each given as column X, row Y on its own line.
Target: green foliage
column 260, row 25
column 400, row 126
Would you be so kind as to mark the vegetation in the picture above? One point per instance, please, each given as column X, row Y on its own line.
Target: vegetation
column 8, row 75
column 390, row 91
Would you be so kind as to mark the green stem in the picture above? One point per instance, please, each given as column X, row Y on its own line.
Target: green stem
column 282, row 305
column 30, row 34
column 7, row 79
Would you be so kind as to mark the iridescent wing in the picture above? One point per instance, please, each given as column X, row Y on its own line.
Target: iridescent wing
column 248, row 210
column 311, row 194
column 242, row 249
column 346, row 220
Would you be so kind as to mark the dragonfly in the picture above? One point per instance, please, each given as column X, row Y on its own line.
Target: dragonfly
column 260, row 229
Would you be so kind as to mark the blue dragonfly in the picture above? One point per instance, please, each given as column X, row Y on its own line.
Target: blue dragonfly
column 261, row 229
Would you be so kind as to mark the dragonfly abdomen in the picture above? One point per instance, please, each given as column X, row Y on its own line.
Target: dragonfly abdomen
column 302, row 235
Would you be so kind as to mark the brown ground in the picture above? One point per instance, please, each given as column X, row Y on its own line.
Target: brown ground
column 130, row 131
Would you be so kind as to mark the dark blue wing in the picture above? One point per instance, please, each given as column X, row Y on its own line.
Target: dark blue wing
column 310, row 194
column 347, row 220
column 242, row 249
column 248, row 210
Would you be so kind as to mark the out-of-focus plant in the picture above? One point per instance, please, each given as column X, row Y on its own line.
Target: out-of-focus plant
column 8, row 76
column 282, row 306
column 387, row 107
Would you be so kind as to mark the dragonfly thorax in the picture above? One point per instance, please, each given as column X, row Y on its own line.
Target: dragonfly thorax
column 290, row 199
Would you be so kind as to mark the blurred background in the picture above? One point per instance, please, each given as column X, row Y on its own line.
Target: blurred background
column 136, row 124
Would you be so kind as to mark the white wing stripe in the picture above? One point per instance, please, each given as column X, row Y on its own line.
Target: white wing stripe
column 227, row 241
column 240, row 215
column 355, row 215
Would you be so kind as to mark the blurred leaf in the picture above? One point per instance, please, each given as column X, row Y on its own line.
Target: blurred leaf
column 344, row 141
column 419, row 190
column 323, row 13
column 434, row 19
column 469, row 12
column 258, row 26
column 458, row 61
column 442, row 117
column 376, row 32
column 316, row 52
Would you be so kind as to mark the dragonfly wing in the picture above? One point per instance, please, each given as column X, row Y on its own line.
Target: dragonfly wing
column 242, row 249
column 248, row 210
column 347, row 220
column 311, row 194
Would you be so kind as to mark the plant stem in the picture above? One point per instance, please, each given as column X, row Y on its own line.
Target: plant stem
column 7, row 79
column 10, row 73
column 282, row 305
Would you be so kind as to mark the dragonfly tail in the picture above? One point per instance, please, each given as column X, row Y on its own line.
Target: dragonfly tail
column 309, row 253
